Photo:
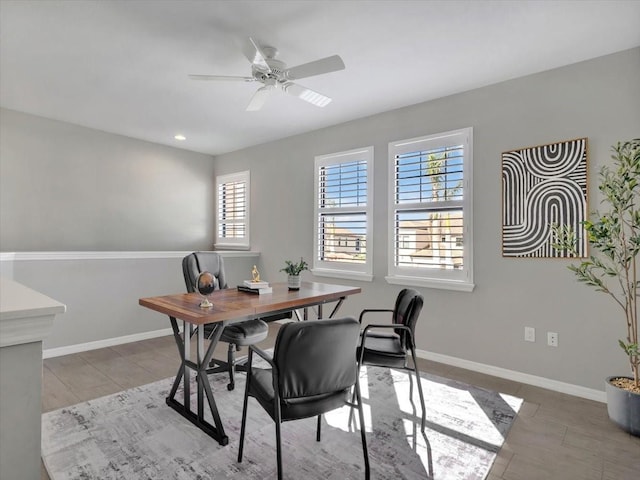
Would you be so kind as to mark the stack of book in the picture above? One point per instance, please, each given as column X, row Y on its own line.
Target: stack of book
column 255, row 287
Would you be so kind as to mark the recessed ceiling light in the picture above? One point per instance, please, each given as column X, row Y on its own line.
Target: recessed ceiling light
column 180, row 137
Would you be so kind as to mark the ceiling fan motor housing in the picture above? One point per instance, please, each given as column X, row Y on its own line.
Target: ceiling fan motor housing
column 274, row 74
column 277, row 71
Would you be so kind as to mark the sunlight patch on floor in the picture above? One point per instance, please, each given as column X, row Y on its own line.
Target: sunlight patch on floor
column 439, row 414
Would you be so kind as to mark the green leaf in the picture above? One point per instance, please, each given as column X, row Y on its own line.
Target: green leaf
column 614, row 236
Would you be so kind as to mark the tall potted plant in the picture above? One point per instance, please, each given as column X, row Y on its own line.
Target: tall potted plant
column 293, row 270
column 613, row 269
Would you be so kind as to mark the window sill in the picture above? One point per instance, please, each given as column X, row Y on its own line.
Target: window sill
column 431, row 283
column 231, row 246
column 323, row 272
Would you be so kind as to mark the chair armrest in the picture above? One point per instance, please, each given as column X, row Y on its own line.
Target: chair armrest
column 394, row 326
column 373, row 310
column 268, row 358
column 274, row 369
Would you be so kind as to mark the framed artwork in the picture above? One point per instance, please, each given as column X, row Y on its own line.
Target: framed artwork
column 542, row 186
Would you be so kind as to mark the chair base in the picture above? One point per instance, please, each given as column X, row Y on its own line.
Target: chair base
column 231, row 366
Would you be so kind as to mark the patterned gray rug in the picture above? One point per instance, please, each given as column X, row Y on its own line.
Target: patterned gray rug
column 134, row 435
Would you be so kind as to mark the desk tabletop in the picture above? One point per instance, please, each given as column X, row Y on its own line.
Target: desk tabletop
column 231, row 304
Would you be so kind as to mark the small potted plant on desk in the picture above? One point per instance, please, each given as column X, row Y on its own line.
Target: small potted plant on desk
column 294, row 269
column 615, row 234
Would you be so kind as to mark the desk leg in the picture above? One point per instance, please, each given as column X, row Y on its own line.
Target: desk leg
column 333, row 312
column 181, row 370
column 200, row 367
column 186, row 335
column 337, row 307
column 199, row 353
column 305, row 315
column 203, row 383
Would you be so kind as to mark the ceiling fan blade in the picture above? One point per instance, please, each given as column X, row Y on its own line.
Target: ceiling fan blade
column 317, row 67
column 256, row 56
column 223, row 78
column 306, row 94
column 259, row 98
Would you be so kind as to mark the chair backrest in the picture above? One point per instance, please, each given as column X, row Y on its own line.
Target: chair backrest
column 197, row 262
column 406, row 312
column 316, row 357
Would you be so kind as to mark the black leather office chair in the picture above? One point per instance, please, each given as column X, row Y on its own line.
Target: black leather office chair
column 312, row 371
column 236, row 335
column 388, row 345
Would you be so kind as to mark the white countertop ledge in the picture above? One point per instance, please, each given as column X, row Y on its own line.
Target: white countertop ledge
column 25, row 315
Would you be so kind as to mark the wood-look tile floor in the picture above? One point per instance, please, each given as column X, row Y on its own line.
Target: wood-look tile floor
column 555, row 436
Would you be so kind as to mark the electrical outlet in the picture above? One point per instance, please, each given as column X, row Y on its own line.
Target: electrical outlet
column 529, row 334
column 552, row 339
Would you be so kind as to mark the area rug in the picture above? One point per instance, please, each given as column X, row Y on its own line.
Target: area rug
column 135, row 435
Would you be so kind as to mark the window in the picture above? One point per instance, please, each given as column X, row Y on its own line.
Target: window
column 430, row 227
column 232, row 214
column 343, row 205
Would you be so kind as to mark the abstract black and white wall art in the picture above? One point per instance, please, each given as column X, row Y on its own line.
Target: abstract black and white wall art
column 542, row 186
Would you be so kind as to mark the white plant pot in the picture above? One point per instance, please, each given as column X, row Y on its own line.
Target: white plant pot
column 294, row 282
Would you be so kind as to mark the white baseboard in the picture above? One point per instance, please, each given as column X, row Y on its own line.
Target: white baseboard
column 568, row 388
column 109, row 342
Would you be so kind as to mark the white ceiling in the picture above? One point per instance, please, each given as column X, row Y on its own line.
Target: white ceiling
column 121, row 66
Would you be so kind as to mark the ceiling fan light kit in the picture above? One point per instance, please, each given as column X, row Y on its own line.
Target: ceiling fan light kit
column 274, row 75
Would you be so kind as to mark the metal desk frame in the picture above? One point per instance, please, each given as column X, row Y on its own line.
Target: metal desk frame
column 230, row 306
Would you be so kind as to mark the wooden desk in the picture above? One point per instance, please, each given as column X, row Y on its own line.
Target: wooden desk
column 229, row 306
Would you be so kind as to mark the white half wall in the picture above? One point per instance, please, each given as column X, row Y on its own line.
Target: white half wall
column 101, row 291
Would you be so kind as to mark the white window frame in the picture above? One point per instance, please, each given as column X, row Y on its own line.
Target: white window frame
column 462, row 279
column 243, row 243
column 347, row 270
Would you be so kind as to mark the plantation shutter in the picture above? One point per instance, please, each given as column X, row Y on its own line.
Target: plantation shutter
column 233, row 211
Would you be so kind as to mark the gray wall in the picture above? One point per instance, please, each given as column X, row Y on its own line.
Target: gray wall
column 598, row 99
column 64, row 187
column 69, row 188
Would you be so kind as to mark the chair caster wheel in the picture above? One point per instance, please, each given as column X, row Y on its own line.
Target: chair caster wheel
column 231, row 386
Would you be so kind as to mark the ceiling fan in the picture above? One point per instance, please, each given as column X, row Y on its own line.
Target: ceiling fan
column 274, row 75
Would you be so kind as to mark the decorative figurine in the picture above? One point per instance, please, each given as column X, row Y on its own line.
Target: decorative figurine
column 255, row 274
